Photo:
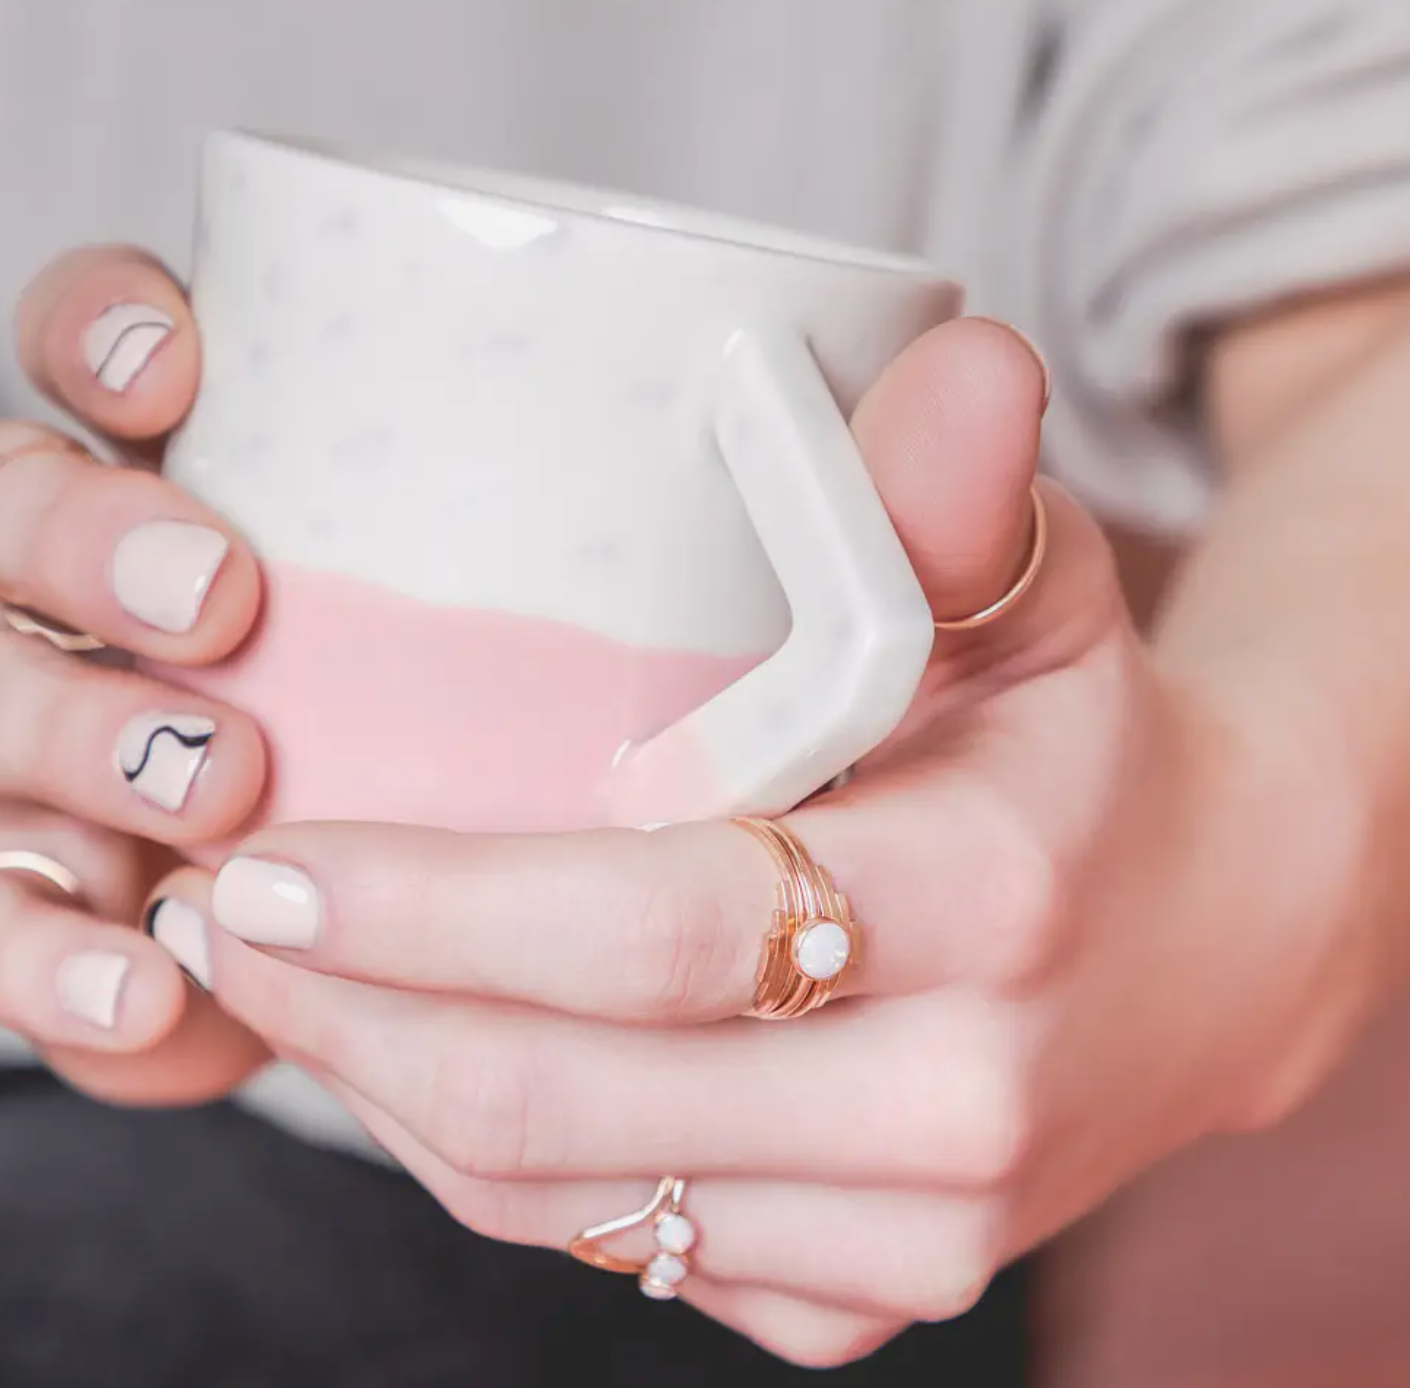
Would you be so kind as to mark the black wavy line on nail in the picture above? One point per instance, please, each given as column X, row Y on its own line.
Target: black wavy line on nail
column 191, row 740
column 122, row 337
column 149, row 928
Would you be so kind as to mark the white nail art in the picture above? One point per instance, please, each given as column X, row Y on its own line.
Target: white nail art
column 163, row 570
column 159, row 755
column 121, row 341
column 90, row 986
column 179, row 929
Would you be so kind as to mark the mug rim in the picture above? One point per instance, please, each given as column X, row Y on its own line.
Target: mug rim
column 564, row 198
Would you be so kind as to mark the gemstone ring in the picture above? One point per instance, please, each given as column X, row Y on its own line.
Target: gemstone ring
column 813, row 940
column 661, row 1275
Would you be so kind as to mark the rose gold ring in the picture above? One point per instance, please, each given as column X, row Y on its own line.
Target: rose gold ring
column 1037, row 552
column 27, row 624
column 40, row 865
column 661, row 1275
column 813, row 940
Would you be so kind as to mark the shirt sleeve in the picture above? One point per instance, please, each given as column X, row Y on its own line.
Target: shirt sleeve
column 1187, row 160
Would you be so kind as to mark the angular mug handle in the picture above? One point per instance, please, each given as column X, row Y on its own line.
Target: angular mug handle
column 862, row 630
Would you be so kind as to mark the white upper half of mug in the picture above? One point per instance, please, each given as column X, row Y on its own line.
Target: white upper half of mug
column 485, row 392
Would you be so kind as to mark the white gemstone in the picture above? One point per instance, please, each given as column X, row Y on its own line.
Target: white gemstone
column 667, row 1269
column 657, row 1291
column 822, row 950
column 675, row 1234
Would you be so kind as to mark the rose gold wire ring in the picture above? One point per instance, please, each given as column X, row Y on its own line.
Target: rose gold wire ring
column 27, row 624
column 1037, row 552
column 813, row 940
column 23, row 860
column 661, row 1275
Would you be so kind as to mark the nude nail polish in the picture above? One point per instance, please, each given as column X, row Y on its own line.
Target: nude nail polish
column 161, row 754
column 120, row 342
column 266, row 903
column 90, row 986
column 162, row 571
column 180, row 930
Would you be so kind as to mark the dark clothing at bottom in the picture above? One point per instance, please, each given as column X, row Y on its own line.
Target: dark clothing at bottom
column 206, row 1249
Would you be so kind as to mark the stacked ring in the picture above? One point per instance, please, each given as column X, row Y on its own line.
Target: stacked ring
column 813, row 940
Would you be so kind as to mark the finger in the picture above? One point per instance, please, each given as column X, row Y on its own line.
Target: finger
column 207, row 1053
column 503, row 1092
column 950, row 434
column 811, row 1336
column 105, row 332
column 892, row 1254
column 68, row 979
column 111, row 870
column 949, row 875
column 119, row 554
column 123, row 750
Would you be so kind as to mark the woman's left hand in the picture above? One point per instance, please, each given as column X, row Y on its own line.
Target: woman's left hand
column 1099, row 922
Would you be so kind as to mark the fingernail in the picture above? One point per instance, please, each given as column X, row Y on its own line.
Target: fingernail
column 160, row 755
column 179, row 929
column 266, row 903
column 1037, row 356
column 90, row 986
column 120, row 342
column 163, row 570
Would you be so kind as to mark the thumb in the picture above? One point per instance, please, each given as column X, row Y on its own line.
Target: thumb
column 951, row 436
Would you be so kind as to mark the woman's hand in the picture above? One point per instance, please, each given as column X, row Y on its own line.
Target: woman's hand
column 99, row 764
column 1103, row 911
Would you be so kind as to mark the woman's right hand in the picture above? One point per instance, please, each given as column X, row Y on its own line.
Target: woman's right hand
column 108, row 772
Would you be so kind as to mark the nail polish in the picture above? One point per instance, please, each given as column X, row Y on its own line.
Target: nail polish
column 161, row 754
column 180, row 930
column 90, row 986
column 120, row 342
column 266, row 903
column 163, row 570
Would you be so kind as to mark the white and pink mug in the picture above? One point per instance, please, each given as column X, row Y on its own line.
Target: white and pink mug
column 562, row 521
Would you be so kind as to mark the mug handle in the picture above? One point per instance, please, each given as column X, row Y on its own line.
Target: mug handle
column 862, row 629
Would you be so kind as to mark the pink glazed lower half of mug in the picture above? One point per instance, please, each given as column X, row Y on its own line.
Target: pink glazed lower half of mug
column 380, row 707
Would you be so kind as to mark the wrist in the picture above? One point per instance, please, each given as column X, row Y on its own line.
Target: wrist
column 1303, row 865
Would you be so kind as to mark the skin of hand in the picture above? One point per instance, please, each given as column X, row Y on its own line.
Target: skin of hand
column 1119, row 893
column 109, row 773
column 1104, row 830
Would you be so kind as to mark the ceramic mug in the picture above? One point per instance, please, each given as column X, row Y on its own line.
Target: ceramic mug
column 561, row 519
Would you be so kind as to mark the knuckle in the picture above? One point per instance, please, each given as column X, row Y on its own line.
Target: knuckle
column 35, row 695
column 945, row 1301
column 1003, row 1131
column 39, row 486
column 825, row 1346
column 954, row 1263
column 974, row 1118
column 681, row 958
column 479, row 1117
column 1027, row 904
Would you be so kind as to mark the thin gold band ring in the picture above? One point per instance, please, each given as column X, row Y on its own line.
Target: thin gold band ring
column 23, row 860
column 1037, row 552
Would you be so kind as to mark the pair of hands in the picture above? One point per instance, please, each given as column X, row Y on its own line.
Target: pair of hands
column 1073, row 961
